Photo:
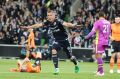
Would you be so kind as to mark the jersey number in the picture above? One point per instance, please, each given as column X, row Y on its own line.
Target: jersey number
column 105, row 28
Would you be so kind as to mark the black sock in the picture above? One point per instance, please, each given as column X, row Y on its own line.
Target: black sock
column 37, row 61
column 74, row 60
column 55, row 60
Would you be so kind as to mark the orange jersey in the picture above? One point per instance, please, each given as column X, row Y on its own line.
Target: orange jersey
column 32, row 69
column 115, row 32
column 30, row 40
column 27, row 67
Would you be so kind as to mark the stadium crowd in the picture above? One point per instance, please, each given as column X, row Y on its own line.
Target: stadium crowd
column 16, row 13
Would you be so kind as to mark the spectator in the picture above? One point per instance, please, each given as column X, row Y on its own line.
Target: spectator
column 77, row 39
column 14, row 13
column 37, row 38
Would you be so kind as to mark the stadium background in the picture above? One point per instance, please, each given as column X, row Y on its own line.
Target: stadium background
column 16, row 13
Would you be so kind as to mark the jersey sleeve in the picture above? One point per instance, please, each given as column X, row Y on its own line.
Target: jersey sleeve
column 45, row 23
column 95, row 27
column 60, row 21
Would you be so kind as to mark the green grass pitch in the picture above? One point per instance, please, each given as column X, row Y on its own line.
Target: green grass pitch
column 66, row 71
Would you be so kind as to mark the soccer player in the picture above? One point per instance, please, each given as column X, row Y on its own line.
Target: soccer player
column 102, row 28
column 31, row 48
column 60, row 38
column 115, row 37
column 26, row 66
column 30, row 42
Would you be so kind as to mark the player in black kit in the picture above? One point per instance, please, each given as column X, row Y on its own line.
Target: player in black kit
column 60, row 38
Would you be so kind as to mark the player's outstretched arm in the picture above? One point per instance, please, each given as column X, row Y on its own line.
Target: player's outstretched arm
column 67, row 24
column 36, row 25
column 33, row 26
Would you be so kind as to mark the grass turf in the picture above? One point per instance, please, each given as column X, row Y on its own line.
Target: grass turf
column 66, row 71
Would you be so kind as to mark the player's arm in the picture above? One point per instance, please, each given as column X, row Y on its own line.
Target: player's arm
column 95, row 27
column 111, row 38
column 33, row 26
column 32, row 41
column 111, row 35
column 67, row 24
column 36, row 25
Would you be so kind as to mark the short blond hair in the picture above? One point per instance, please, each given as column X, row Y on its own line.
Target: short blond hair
column 50, row 11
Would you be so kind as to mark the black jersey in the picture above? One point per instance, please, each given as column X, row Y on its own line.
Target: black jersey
column 47, row 34
column 57, row 29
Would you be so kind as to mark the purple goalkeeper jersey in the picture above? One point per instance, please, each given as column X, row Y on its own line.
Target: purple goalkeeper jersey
column 102, row 27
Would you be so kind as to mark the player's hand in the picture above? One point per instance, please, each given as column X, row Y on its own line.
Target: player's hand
column 78, row 25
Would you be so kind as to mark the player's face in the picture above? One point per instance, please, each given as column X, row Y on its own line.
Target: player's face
column 117, row 20
column 51, row 16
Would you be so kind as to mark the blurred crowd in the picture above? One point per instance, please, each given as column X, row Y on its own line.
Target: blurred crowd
column 87, row 14
column 16, row 13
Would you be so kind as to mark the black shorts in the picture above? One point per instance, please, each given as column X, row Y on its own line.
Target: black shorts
column 116, row 46
column 58, row 44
